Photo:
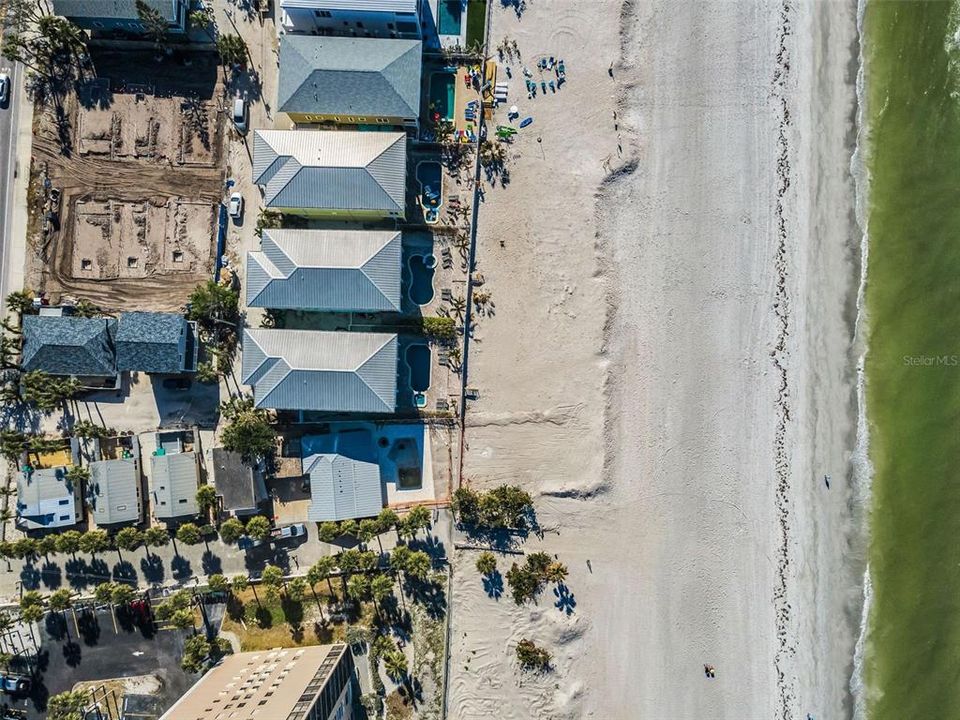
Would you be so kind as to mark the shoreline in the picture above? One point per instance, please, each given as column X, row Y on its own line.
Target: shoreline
column 721, row 352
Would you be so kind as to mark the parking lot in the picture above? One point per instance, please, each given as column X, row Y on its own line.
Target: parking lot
column 103, row 650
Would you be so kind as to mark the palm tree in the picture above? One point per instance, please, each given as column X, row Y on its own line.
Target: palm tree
column 122, row 594
column 419, row 518
column 155, row 536
column 367, row 531
column 348, row 562
column 273, row 581
column 556, row 572
column 258, row 527
column 231, row 530
column 61, row 601
column 20, row 301
column 395, row 663
column 486, row 563
column 68, row 542
column 323, row 568
column 329, row 531
column 218, row 583
column 358, row 588
column 314, row 575
column 349, row 528
column 47, row 545
column 241, row 583
column 206, row 499
column 129, row 538
column 418, row 565
column 399, row 559
column 296, row 590
column 380, row 588
column 189, row 534
column 104, row 593
column 94, row 541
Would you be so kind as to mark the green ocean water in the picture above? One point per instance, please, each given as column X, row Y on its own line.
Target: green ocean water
column 912, row 74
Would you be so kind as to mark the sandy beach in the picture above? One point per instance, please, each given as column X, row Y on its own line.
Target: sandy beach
column 670, row 366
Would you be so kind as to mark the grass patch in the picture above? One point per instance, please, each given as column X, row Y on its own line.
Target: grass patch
column 476, row 22
column 266, row 625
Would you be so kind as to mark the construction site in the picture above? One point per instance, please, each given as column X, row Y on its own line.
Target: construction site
column 125, row 193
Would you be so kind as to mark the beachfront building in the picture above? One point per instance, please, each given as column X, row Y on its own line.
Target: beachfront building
column 156, row 342
column 336, row 372
column 350, row 81
column 121, row 16
column 174, row 478
column 344, row 476
column 47, row 499
column 330, row 174
column 307, row 683
column 70, row 346
column 326, row 270
column 352, row 18
column 239, row 484
column 113, row 492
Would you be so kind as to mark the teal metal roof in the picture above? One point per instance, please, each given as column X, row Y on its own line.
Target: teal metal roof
column 375, row 77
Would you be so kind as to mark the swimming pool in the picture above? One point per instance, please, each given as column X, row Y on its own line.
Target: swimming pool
column 421, row 284
column 430, row 177
column 443, row 89
column 451, row 17
column 418, row 360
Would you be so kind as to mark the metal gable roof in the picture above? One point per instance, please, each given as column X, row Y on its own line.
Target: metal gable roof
column 46, row 498
column 350, row 76
column 324, row 371
column 331, row 170
column 335, row 270
column 113, row 491
column 342, row 488
column 64, row 345
column 173, row 484
column 150, row 342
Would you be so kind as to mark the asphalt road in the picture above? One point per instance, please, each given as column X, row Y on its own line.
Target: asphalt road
column 8, row 159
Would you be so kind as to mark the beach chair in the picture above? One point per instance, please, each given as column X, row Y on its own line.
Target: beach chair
column 473, row 394
column 442, row 404
column 446, row 294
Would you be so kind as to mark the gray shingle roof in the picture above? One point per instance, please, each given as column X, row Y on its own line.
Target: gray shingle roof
column 333, row 270
column 349, row 76
column 329, row 170
column 151, row 342
column 111, row 9
column 324, row 371
column 173, row 485
column 46, row 499
column 113, row 491
column 64, row 345
column 341, row 488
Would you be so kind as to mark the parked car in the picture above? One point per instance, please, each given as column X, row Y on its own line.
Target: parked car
column 240, row 115
column 235, row 208
column 4, row 88
column 245, row 542
column 289, row 531
column 15, row 684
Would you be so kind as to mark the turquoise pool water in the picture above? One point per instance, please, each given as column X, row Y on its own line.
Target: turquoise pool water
column 421, row 285
column 443, row 88
column 418, row 360
column 451, row 17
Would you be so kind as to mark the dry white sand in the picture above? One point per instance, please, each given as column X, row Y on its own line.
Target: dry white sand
column 669, row 366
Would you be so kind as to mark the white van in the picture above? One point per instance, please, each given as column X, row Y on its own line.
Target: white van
column 240, row 115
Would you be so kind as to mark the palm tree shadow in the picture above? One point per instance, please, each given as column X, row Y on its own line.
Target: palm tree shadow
column 52, row 575
column 211, row 563
column 180, row 567
column 565, row 601
column 72, row 654
column 152, row 568
column 493, row 584
column 125, row 572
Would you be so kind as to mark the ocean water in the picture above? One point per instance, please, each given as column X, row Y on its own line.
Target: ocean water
column 911, row 54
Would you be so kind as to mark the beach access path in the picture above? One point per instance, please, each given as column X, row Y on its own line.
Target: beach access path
column 670, row 368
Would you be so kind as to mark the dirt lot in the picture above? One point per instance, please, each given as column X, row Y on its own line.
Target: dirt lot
column 135, row 223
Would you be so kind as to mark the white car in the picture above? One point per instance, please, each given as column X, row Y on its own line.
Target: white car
column 4, row 88
column 235, row 208
column 240, row 115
